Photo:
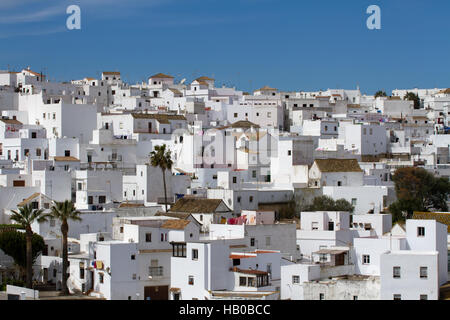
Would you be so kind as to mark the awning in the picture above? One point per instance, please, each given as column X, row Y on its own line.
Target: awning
column 331, row 251
column 175, row 290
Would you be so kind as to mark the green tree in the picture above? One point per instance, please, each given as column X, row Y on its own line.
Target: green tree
column 418, row 190
column 26, row 216
column 326, row 203
column 162, row 159
column 380, row 93
column 413, row 97
column 65, row 211
column 14, row 244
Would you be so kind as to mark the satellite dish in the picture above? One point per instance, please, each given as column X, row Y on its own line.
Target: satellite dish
column 182, row 81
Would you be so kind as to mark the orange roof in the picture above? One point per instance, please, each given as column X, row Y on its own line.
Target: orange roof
column 161, row 76
column 73, row 159
column 112, row 73
column 241, row 256
column 175, row 224
column 266, row 251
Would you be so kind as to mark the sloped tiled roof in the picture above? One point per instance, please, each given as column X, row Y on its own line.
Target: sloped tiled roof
column 116, row 73
column 266, row 88
column 71, row 159
column 175, row 224
column 442, row 217
column 196, row 205
column 338, row 165
column 241, row 124
column 176, row 91
column 178, row 215
column 204, row 78
column 10, row 121
column 25, row 201
column 160, row 76
column 162, row 118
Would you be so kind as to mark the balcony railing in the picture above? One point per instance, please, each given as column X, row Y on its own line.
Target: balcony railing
column 155, row 271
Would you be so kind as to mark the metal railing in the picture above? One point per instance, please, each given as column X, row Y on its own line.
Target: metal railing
column 155, row 271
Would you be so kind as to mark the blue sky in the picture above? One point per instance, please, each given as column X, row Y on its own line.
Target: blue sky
column 290, row 45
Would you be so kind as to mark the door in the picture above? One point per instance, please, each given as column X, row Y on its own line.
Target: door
column 156, row 293
column 92, row 279
column 45, row 275
column 149, row 127
column 330, row 225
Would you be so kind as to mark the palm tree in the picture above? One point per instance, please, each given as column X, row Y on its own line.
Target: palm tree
column 380, row 93
column 162, row 158
column 25, row 216
column 64, row 211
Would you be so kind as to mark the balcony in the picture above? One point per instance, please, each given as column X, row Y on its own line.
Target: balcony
column 155, row 271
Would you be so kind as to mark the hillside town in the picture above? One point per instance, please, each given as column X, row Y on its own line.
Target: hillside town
column 176, row 189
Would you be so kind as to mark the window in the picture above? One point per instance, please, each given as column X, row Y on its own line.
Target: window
column 366, row 259
column 134, row 276
column 26, row 152
column 397, row 297
column 295, row 279
column 354, row 201
column 243, row 281
column 423, row 297
column 66, row 153
column 421, row 231
column 355, row 297
column 239, row 199
column 321, row 296
column 100, row 277
column 235, row 115
column 54, row 116
column 423, row 272
column 102, row 199
column 191, row 280
column 250, row 199
column 234, row 179
column 148, row 237
column 252, row 242
column 133, row 257
column 396, row 272
column 194, row 254
column 289, row 152
column 254, row 174
column 121, row 229
column 267, row 241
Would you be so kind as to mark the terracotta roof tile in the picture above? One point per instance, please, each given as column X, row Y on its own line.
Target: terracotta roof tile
column 196, row 205
column 175, row 224
column 338, row 165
